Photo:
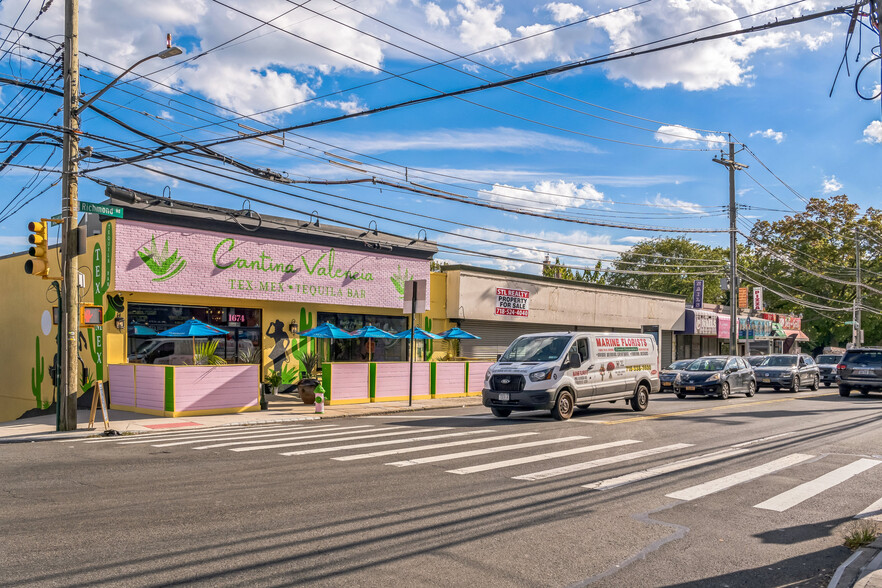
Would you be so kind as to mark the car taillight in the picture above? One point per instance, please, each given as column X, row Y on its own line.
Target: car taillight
column 841, row 366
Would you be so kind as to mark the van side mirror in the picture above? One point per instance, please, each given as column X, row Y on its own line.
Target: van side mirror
column 574, row 359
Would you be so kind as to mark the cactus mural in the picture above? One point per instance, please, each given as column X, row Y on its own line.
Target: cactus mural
column 101, row 282
column 428, row 344
column 37, row 374
column 304, row 345
column 398, row 280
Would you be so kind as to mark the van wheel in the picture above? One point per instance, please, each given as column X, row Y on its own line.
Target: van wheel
column 563, row 408
column 501, row 412
column 864, row 391
column 640, row 400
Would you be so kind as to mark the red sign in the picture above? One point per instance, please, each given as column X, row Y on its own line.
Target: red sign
column 512, row 302
column 789, row 322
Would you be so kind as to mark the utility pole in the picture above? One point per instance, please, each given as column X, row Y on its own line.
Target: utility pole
column 731, row 165
column 856, row 337
column 67, row 393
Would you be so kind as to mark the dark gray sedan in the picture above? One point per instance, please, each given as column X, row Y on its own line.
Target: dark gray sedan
column 790, row 372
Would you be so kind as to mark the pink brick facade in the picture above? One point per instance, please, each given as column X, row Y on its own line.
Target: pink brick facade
column 168, row 260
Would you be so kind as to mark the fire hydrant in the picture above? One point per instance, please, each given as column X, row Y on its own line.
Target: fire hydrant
column 319, row 399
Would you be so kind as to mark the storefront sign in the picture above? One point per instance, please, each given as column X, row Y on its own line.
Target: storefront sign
column 512, row 302
column 742, row 297
column 791, row 323
column 700, row 322
column 615, row 346
column 754, row 328
column 161, row 259
column 724, row 324
column 698, row 294
column 757, row 298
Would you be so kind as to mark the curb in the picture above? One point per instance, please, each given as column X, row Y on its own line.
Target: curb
column 67, row 435
column 861, row 570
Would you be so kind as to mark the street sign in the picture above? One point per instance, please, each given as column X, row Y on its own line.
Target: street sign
column 415, row 292
column 105, row 209
column 698, row 294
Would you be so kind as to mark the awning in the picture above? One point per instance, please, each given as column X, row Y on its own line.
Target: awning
column 778, row 331
column 800, row 336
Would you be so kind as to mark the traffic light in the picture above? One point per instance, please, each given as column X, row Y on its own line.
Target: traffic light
column 39, row 251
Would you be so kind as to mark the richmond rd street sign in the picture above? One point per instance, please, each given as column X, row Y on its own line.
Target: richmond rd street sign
column 105, row 209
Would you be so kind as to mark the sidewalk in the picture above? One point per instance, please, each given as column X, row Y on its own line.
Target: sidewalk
column 862, row 570
column 282, row 408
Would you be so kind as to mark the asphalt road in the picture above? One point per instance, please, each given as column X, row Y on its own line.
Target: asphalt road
column 744, row 492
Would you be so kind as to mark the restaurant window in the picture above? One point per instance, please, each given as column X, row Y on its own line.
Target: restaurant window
column 145, row 321
column 359, row 349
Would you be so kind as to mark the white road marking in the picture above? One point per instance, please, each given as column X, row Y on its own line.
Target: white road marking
column 725, row 482
column 297, row 435
column 310, row 442
column 540, row 457
column 149, row 437
column 448, row 456
column 389, row 442
column 433, row 446
column 251, row 435
column 262, row 436
column 803, row 492
column 872, row 512
column 663, row 469
column 601, row 462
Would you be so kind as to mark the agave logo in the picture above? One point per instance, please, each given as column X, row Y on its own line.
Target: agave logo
column 163, row 265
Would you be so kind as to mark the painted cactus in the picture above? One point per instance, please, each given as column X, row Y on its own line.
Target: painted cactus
column 37, row 374
column 303, row 345
column 101, row 262
column 428, row 344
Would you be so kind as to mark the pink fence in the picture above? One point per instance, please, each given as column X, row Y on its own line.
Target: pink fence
column 201, row 387
column 122, row 392
column 350, row 382
column 477, row 370
column 149, row 387
column 393, row 380
column 449, row 379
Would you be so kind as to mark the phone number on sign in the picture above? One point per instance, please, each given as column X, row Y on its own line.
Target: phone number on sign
column 512, row 312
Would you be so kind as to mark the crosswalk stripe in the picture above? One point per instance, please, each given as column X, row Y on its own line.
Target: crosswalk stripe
column 305, row 434
column 387, row 442
column 242, row 434
column 803, row 492
column 747, row 475
column 578, row 467
column 448, row 456
column 262, row 438
column 872, row 512
column 667, row 468
column 401, row 450
column 540, row 457
column 149, row 437
column 370, row 436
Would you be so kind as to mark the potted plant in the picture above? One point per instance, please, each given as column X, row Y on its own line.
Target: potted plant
column 206, row 354
column 309, row 363
column 273, row 380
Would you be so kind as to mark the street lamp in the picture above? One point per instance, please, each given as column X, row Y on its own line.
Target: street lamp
column 67, row 393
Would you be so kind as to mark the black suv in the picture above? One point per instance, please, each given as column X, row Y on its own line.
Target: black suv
column 860, row 369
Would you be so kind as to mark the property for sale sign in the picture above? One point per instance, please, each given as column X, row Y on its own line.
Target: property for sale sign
column 512, row 302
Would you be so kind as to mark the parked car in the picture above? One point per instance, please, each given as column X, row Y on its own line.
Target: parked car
column 669, row 374
column 788, row 371
column 560, row 371
column 755, row 360
column 827, row 363
column 861, row 369
column 718, row 375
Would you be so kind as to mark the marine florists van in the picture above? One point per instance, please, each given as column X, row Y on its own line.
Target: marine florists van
column 560, row 371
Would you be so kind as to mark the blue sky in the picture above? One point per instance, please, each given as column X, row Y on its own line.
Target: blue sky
column 629, row 143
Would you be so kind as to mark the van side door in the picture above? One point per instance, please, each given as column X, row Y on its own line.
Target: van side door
column 582, row 374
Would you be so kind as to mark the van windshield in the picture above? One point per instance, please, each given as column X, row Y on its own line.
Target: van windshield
column 539, row 349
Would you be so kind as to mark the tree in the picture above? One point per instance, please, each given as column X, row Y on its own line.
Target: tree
column 809, row 260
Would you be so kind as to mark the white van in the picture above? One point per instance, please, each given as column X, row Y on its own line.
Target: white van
column 176, row 351
column 560, row 371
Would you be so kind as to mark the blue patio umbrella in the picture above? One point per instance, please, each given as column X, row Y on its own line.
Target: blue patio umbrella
column 193, row 328
column 327, row 331
column 418, row 334
column 371, row 332
column 457, row 333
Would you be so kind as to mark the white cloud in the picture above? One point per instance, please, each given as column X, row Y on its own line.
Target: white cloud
column 493, row 139
column 436, row 16
column 831, row 185
column 873, row 133
column 633, row 240
column 347, row 106
column 677, row 134
column 564, row 12
column 479, row 26
column 546, row 195
column 677, row 205
column 776, row 136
